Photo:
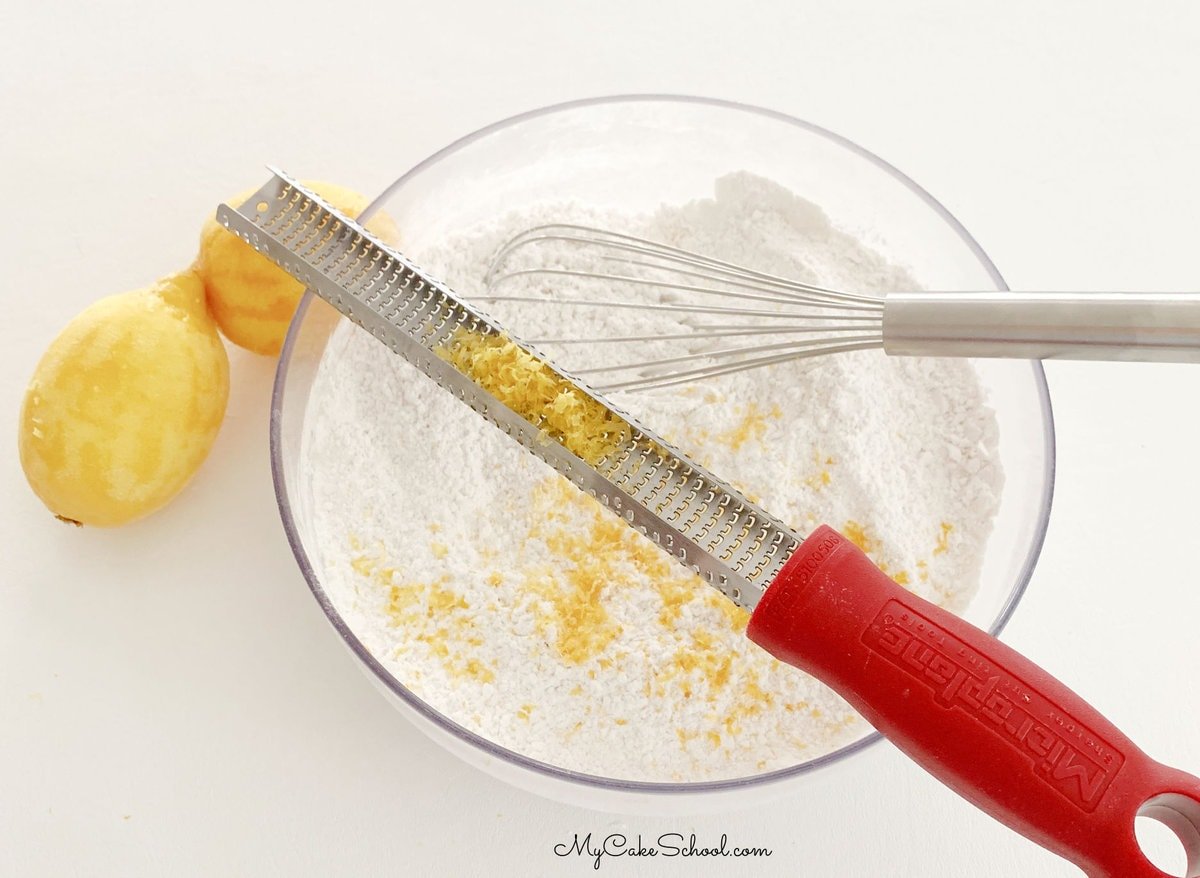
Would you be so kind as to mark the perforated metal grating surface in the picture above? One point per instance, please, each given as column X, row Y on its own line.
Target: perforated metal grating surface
column 698, row 519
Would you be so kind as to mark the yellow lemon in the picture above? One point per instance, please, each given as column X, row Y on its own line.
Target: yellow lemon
column 125, row 405
column 251, row 298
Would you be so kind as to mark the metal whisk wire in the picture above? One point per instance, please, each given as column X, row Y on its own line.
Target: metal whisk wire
column 813, row 320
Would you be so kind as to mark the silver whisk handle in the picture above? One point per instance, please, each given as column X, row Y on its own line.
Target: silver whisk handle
column 1150, row 327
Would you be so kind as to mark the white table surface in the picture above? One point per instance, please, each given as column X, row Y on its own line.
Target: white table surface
column 174, row 703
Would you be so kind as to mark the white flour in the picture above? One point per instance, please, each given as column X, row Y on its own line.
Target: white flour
column 497, row 593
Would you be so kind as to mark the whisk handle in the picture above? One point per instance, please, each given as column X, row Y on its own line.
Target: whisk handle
column 977, row 715
column 1149, row 327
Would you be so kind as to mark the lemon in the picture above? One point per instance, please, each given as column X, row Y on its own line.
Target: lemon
column 251, row 298
column 125, row 404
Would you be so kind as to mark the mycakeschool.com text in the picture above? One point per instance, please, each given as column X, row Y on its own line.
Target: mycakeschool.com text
column 669, row 845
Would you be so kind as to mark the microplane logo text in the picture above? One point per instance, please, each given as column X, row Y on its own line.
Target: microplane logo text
column 1064, row 753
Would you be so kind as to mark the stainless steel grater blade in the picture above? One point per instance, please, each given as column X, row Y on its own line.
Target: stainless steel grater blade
column 704, row 523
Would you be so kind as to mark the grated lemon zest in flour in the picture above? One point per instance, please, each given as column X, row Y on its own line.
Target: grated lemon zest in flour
column 408, row 601
column 600, row 555
column 857, row 534
column 659, row 681
column 751, row 428
column 823, row 476
column 943, row 542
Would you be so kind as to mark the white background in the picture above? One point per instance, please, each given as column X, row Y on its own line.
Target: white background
column 173, row 701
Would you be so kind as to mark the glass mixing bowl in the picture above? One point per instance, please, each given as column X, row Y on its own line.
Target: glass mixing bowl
column 634, row 153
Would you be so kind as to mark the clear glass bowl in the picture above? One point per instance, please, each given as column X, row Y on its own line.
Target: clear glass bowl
column 634, row 153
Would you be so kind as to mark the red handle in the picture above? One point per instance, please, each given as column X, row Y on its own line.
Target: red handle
column 984, row 720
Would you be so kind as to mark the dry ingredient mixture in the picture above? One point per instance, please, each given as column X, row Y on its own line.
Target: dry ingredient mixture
column 517, row 606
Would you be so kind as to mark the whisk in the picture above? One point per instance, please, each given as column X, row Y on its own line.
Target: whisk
column 733, row 318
